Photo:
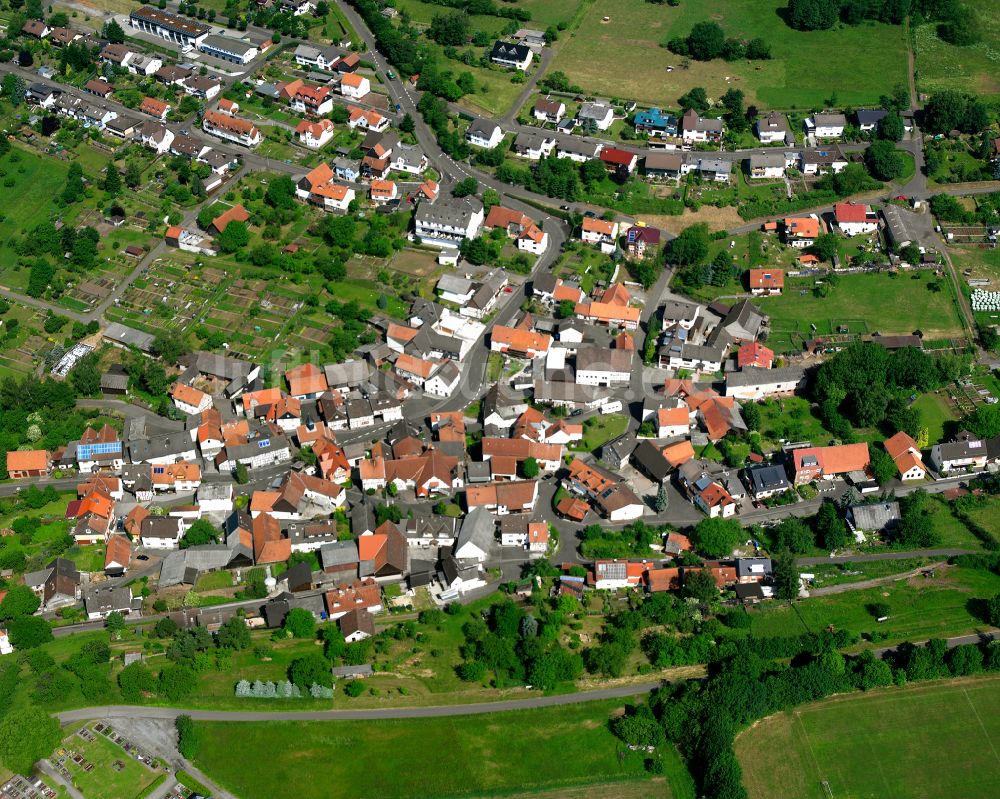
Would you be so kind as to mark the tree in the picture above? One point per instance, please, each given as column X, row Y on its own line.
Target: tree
column 690, row 247
column 280, row 193
column 883, row 467
column 793, row 535
column 830, row 528
column 177, row 682
column 786, row 576
column 891, row 127
column 717, row 538
column 705, row 41
column 300, row 623
column 115, row 624
column 530, row 468
column 135, row 681
column 449, row 29
column 241, row 474
column 406, row 124
column 700, row 585
column 751, row 415
column 696, row 98
column 993, row 610
column 234, row 634
column 12, row 90
column 465, row 187
column 113, row 33
column 201, row 532
column 20, row 601
column 27, row 632
column 112, row 180
column 74, row 187
column 758, row 50
column 962, row 27
column 187, row 736
column 234, row 237
column 313, row 668
column 566, row 309
column 27, row 735
column 813, row 15
column 25, row 59
column 662, row 500
column 883, row 160
column 825, row 247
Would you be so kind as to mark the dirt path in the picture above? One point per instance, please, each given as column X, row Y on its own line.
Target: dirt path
column 875, row 581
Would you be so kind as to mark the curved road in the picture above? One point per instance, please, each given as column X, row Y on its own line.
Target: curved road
column 435, row 711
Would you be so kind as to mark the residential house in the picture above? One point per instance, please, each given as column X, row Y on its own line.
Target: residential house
column 868, row 118
column 855, row 219
column 155, row 108
column 99, row 87
column 156, row 137
column 601, row 232
column 753, row 354
column 519, row 343
column 190, row 400
column 696, row 129
column 315, row 134
column 965, row 453
column 383, row 191
column 516, row 56
column 520, row 227
column 533, row 146
column 756, row 384
column 599, row 366
column 618, row 161
column 310, row 99
column 408, row 158
column 767, row 481
column 476, row 536
column 772, row 128
column 906, row 455
column 241, row 131
column 577, row 149
column 366, row 119
column 549, row 110
column 514, row 496
column 822, row 161
column 598, row 115
column 801, row 232
column 324, row 58
column 484, row 133
column 161, row 532
column 28, row 463
column 227, row 49
column 814, row 463
column 655, row 122
column 36, row 28
column 767, row 282
column 613, row 575
column 766, row 165
column 717, row 170
column 359, row 595
column 448, row 221
column 202, row 86
column 641, row 241
column 826, row 126
column 117, row 556
column 665, row 166
column 317, row 187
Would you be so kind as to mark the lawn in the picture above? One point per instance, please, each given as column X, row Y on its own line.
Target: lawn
column 935, row 413
column 104, row 781
column 792, row 419
column 34, row 180
column 970, row 69
column 485, row 755
column 922, row 607
column 623, row 57
column 859, row 303
column 598, row 430
column 923, row 740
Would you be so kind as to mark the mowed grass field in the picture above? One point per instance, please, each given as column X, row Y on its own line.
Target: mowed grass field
column 969, row 69
column 34, row 181
column 497, row 754
column 922, row 741
column 941, row 606
column 624, row 57
column 864, row 303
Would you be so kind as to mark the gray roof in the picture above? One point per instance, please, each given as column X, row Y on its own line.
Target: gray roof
column 604, row 358
column 593, row 111
column 348, row 373
column 749, row 567
column 666, row 162
column 483, row 127
column 454, row 284
column 114, row 381
column 342, row 553
column 160, row 446
column 129, row 336
column 554, row 390
column 222, row 366
column 870, row 116
column 451, row 211
column 768, row 478
column 830, row 119
column 878, row 516
column 677, row 311
column 478, row 528
column 765, row 377
column 107, row 598
column 764, row 160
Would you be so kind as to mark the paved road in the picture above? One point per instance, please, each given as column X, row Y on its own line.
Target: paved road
column 437, row 711
column 543, row 64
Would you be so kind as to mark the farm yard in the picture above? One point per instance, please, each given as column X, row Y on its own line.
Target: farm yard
column 856, row 306
column 623, row 56
column 935, row 739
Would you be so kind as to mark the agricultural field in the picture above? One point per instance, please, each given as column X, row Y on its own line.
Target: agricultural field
column 921, row 608
column 969, row 69
column 936, row 739
column 487, row 755
column 858, row 303
column 623, row 57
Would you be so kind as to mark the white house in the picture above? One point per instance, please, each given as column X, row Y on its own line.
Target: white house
column 600, row 114
column 855, row 219
column 476, row 535
column 826, row 126
column 773, row 128
column 755, row 384
column 449, row 220
column 161, row 532
column 354, row 86
column 190, row 400
column 484, row 133
column 598, row 366
column 516, row 56
column 315, row 134
column 444, row 381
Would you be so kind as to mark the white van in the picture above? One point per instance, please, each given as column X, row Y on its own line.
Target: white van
column 612, row 407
